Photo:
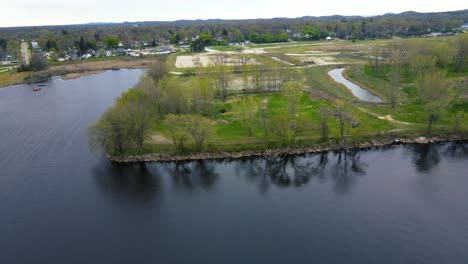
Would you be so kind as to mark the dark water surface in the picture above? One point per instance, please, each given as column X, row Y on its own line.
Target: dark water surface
column 59, row 203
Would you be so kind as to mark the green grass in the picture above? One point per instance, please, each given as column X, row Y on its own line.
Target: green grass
column 229, row 133
column 225, row 48
column 317, row 79
column 232, row 135
column 361, row 74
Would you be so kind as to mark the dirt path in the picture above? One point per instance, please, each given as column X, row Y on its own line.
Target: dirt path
column 159, row 139
column 25, row 55
column 387, row 117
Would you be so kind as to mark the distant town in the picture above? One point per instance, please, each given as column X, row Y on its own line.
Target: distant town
column 19, row 47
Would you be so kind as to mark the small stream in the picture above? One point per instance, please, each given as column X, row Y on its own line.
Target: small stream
column 358, row 91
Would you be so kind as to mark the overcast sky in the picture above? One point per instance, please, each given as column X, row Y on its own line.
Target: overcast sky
column 59, row 12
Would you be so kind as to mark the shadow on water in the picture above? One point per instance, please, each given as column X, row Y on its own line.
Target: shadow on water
column 425, row 157
column 456, row 150
column 191, row 175
column 141, row 182
column 340, row 167
column 134, row 182
column 344, row 169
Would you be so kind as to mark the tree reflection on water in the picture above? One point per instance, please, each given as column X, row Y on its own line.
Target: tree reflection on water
column 426, row 157
column 457, row 149
column 141, row 182
column 341, row 167
column 189, row 175
column 136, row 181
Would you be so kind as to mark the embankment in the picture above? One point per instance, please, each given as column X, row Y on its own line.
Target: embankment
column 277, row 152
column 76, row 70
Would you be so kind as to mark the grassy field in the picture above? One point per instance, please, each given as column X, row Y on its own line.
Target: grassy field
column 231, row 135
column 320, row 90
column 408, row 118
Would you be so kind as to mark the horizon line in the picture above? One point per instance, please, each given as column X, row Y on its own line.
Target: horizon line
column 229, row 19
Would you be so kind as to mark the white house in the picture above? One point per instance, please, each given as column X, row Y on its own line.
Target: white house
column 34, row 44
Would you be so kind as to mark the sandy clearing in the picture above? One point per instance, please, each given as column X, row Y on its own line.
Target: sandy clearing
column 313, row 54
column 387, row 117
column 204, row 60
column 246, row 50
column 298, row 45
column 282, row 61
column 190, row 61
column 390, row 118
column 159, row 139
column 319, row 60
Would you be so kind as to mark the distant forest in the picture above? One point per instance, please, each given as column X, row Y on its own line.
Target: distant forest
column 220, row 32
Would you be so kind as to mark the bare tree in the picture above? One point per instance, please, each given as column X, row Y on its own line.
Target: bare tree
column 263, row 117
column 397, row 57
column 345, row 123
column 221, row 75
column 178, row 127
column 293, row 91
column 157, row 70
column 461, row 46
column 199, row 128
column 182, row 127
column 238, row 62
column 287, row 129
column 202, row 95
column 324, row 116
column 375, row 60
column 249, row 108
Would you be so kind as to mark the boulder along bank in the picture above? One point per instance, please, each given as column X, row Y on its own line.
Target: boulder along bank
column 278, row 152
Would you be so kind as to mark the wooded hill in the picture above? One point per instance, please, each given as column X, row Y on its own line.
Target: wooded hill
column 256, row 30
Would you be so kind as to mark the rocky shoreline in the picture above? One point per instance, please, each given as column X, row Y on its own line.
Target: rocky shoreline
column 278, row 152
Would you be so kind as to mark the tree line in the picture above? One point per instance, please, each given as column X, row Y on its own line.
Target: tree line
column 187, row 110
column 256, row 30
column 427, row 66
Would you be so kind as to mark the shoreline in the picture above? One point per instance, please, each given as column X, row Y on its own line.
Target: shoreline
column 346, row 76
column 77, row 70
column 279, row 152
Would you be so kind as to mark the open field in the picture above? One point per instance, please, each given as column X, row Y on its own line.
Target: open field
column 292, row 54
column 314, row 60
column 268, row 69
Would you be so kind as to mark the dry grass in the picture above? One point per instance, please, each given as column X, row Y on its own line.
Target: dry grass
column 11, row 78
column 80, row 69
column 74, row 70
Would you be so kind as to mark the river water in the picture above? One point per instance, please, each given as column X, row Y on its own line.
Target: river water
column 356, row 90
column 60, row 203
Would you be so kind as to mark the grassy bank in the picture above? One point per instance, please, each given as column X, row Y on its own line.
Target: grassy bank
column 75, row 69
column 12, row 78
column 255, row 114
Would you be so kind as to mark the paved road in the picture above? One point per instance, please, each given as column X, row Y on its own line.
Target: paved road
column 25, row 53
